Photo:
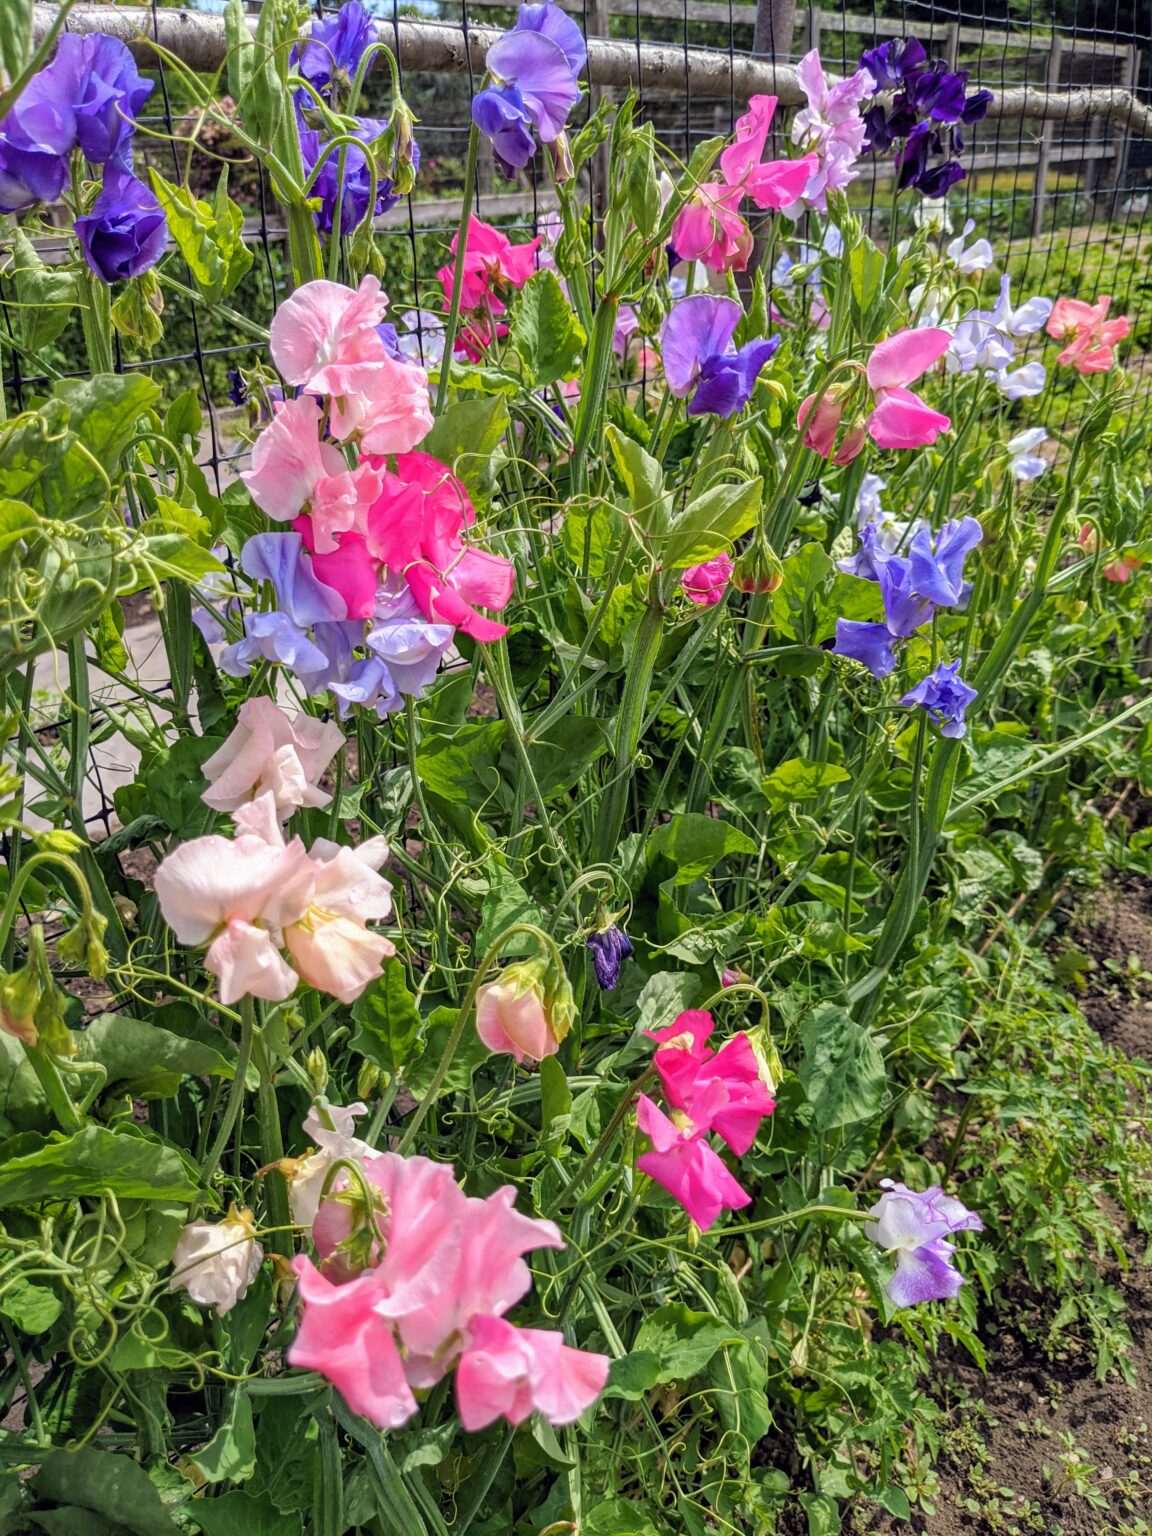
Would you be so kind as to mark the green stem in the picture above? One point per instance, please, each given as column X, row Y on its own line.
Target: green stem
column 629, row 725
column 272, row 1149
column 590, row 416
column 453, row 321
column 235, row 1093
column 631, row 1094
column 48, row 1076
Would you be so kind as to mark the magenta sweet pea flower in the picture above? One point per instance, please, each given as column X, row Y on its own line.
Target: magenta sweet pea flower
column 706, row 584
column 682, row 1162
column 915, row 1227
column 721, row 1090
column 900, row 419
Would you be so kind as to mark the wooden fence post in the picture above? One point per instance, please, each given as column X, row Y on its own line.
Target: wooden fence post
column 1040, row 185
column 1129, row 74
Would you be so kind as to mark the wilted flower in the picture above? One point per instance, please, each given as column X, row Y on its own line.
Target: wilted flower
column 610, row 947
column 915, row 1226
column 216, row 1261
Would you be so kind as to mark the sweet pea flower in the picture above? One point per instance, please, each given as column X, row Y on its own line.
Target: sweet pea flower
column 493, row 266
column 290, row 462
column 610, row 947
column 324, row 340
column 706, row 584
column 1090, row 335
column 700, row 360
column 915, row 1226
column 969, row 259
column 268, row 751
column 832, row 126
column 870, row 643
column 512, row 1016
column 216, row 1261
column 330, row 56
column 899, row 419
column 331, row 1128
column 722, row 1090
column 422, row 340
column 682, row 1162
column 94, row 81
column 125, row 231
column 944, row 696
column 1022, row 383
column 937, row 565
column 709, row 228
column 1023, row 320
column 1023, row 460
column 534, row 70
column 509, row 1373
column 352, row 190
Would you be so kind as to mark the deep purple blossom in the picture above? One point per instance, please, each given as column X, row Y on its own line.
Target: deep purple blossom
column 937, row 566
column 870, row 644
column 937, row 94
column 700, row 360
column 330, row 57
column 944, row 696
column 534, row 70
column 125, row 232
column 892, row 61
column 610, row 947
column 354, row 188
column 28, row 176
column 915, row 1226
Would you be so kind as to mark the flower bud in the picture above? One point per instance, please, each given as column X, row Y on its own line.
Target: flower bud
column 758, row 569
column 316, row 1065
column 19, row 995
column 370, row 1080
column 562, row 167
column 84, row 946
column 527, row 1012
column 769, row 1065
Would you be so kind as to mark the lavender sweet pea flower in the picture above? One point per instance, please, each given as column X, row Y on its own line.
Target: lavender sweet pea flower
column 534, row 70
column 727, row 381
column 1024, row 461
column 1023, row 383
column 109, row 92
column 867, row 643
column 126, row 231
column 331, row 55
column 36, row 138
column 915, row 1227
column 868, row 505
column 281, row 559
column 876, row 547
column 354, row 188
column 422, row 340
column 28, row 176
column 937, row 569
column 944, row 696
column 978, row 344
column 408, row 645
column 1029, row 318
column 973, row 258
column 271, row 637
column 700, row 360
column 610, row 947
column 905, row 608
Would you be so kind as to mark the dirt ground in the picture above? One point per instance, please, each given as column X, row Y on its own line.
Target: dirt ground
column 1040, row 1446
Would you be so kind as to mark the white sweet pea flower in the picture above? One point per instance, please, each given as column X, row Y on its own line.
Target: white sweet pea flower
column 978, row 344
column 973, row 259
column 1022, row 383
column 1025, row 462
column 422, row 340
column 928, row 304
column 933, row 215
column 333, row 1133
column 832, row 243
column 216, row 1261
column 868, row 505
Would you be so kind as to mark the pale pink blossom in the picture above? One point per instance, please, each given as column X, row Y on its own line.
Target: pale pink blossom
column 512, row 1017
column 330, row 945
column 216, row 1261
column 831, row 126
column 1090, row 335
column 270, row 751
column 332, row 1130
column 289, row 460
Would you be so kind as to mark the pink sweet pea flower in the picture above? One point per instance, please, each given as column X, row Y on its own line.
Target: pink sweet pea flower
column 289, row 461
column 720, row 1091
column 769, row 183
column 899, row 419
column 417, row 528
column 492, row 265
column 832, row 126
column 511, row 1372
column 1092, row 348
column 683, row 1163
column 706, row 584
column 271, row 751
column 511, row 1016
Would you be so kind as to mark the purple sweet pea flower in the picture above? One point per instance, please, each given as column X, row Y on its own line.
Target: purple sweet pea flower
column 28, row 176
column 870, row 644
column 109, row 92
column 356, row 183
column 871, row 555
column 271, row 637
column 938, row 567
column 915, row 1227
column 534, row 70
column 610, row 947
column 976, row 107
column 905, row 608
column 331, row 55
column 700, row 360
column 938, row 94
column 300, row 594
column 126, row 231
column 939, row 180
column 893, row 61
column 408, row 645
column 944, row 696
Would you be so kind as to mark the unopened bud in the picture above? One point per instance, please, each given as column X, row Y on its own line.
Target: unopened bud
column 562, row 167
column 369, row 1080
column 19, row 995
column 316, row 1065
column 758, row 569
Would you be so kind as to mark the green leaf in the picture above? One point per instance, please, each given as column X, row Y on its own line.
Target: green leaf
column 555, row 1103
column 470, row 1053
column 390, row 1023
column 643, row 480
column 696, row 843
column 230, row 1455
column 111, row 653
column 183, row 417
column 507, row 902
column 16, row 38
column 823, row 1514
column 109, row 1485
column 842, row 1071
column 643, row 186
column 33, row 1308
column 239, row 1514
column 664, row 996
column 799, row 779
column 712, row 523
column 144, row 1061
column 467, row 436
column 209, row 236
column 813, row 595
column 559, row 758
column 47, row 295
column 94, row 1161
column 683, row 1341
column 545, row 333
column 618, row 1517
column 866, row 264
